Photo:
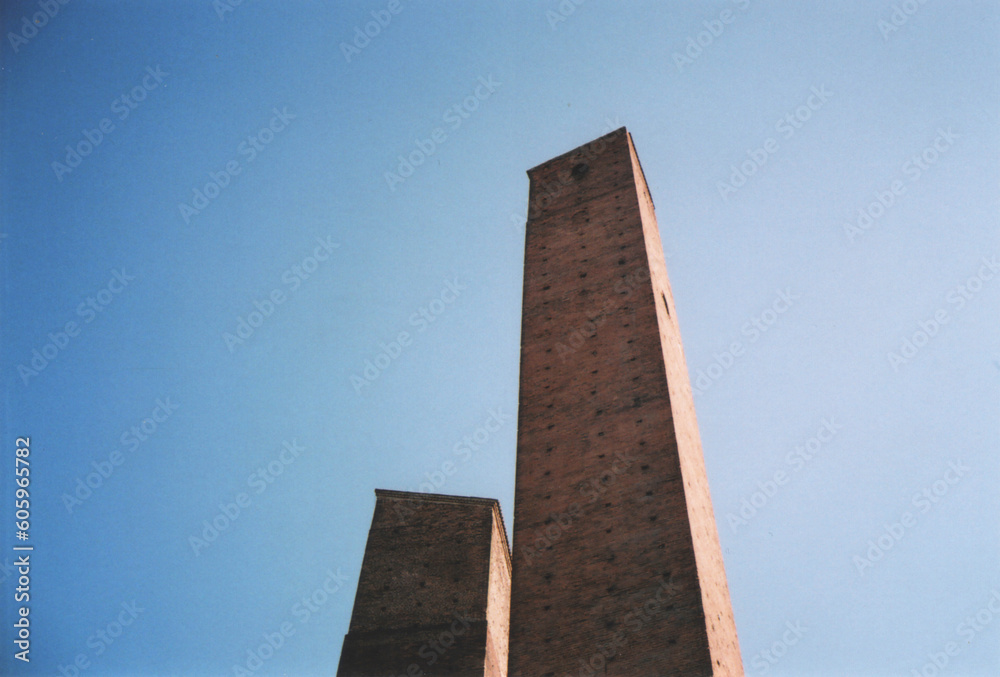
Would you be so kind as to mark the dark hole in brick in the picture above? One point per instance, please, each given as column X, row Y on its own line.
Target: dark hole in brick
column 594, row 372
column 607, row 505
column 549, row 449
column 637, row 402
column 600, row 456
column 652, row 518
column 607, row 531
column 454, row 600
column 547, row 472
column 580, row 170
column 621, row 262
column 600, row 411
column 583, row 275
column 423, row 584
column 644, row 467
column 600, row 434
column 547, row 607
column 551, row 426
column 593, row 392
column 548, row 576
column 649, row 493
column 420, row 603
column 546, row 287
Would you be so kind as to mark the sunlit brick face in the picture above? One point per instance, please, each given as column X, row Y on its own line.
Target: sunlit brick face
column 617, row 566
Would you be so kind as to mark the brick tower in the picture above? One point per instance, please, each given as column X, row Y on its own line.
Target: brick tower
column 434, row 591
column 617, row 565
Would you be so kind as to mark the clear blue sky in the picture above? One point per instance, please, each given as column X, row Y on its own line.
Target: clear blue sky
column 768, row 132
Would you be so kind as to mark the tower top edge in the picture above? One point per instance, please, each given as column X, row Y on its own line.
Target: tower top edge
column 617, row 132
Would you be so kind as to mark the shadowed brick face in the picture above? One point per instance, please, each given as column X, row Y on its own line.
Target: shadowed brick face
column 617, row 566
column 433, row 595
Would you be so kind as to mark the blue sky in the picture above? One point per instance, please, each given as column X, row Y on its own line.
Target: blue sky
column 228, row 239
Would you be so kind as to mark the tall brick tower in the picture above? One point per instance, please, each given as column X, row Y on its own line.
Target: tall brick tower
column 434, row 592
column 617, row 565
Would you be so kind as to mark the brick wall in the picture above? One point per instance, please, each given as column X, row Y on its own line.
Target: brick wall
column 617, row 568
column 427, row 599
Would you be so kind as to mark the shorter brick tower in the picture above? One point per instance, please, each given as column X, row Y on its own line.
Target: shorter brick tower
column 434, row 592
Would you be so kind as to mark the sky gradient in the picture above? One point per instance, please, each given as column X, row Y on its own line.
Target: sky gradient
column 217, row 219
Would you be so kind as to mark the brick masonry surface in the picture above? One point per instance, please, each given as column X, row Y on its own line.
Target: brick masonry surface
column 617, row 564
column 617, row 569
column 433, row 594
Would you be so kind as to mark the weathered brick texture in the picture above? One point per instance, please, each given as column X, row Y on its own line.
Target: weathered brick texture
column 617, row 565
column 433, row 595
